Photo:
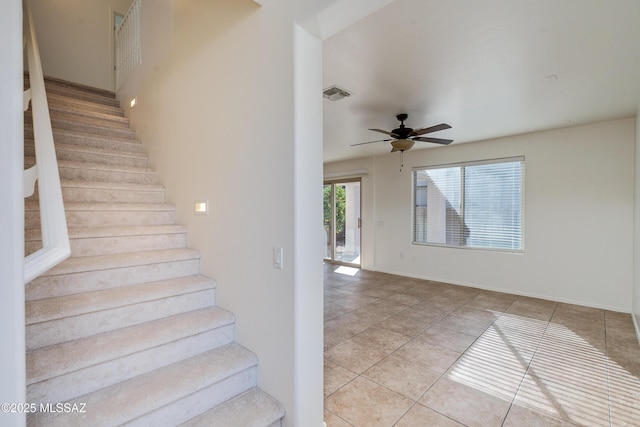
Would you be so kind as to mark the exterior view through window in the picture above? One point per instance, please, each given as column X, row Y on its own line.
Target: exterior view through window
column 477, row 205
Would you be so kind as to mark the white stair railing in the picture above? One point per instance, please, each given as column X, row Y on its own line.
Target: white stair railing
column 128, row 45
column 55, row 236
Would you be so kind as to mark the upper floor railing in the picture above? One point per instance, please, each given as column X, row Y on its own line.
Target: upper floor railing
column 128, row 45
column 55, row 236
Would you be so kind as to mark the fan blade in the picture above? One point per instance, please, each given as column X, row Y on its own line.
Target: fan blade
column 385, row 132
column 441, row 126
column 371, row 142
column 433, row 140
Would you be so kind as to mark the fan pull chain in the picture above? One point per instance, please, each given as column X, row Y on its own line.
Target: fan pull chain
column 401, row 160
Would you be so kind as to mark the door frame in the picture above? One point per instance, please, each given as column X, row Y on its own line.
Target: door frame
column 331, row 259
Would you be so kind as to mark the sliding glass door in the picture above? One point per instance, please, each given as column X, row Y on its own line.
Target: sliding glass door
column 342, row 222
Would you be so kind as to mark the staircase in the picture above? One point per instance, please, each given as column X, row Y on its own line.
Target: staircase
column 126, row 329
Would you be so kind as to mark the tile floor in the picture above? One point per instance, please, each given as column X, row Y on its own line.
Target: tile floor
column 405, row 352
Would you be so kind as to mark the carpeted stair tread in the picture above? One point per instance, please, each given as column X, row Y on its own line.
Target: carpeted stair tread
column 93, row 232
column 69, row 136
column 84, row 117
column 45, row 310
column 152, row 349
column 71, row 152
column 103, row 214
column 92, row 241
column 241, row 412
column 111, row 314
column 132, row 399
column 75, row 265
column 52, row 361
column 61, row 101
column 87, row 274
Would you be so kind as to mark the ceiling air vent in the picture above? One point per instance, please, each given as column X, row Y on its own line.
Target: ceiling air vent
column 335, row 93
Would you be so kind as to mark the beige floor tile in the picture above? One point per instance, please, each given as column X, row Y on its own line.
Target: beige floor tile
column 522, row 325
column 442, row 302
column 505, row 347
column 624, row 389
column 404, row 299
column 335, row 376
column 355, row 356
column 383, row 339
column 446, row 338
column 427, row 316
column 402, row 376
column 475, row 314
column 464, row 325
column 465, row 404
column 487, row 375
column 468, row 355
column 519, row 416
column 560, row 399
column 332, row 420
column 532, row 308
column 404, row 325
column 490, row 302
column 421, row 416
column 364, row 403
column 433, row 357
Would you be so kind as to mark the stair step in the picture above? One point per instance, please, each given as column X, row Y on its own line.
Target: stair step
column 78, row 153
column 56, row 320
column 89, row 140
column 96, row 96
column 88, row 214
column 114, row 116
column 76, row 90
column 113, row 240
column 101, row 172
column 85, row 118
column 118, row 132
column 117, row 192
column 241, row 412
column 87, row 274
column 61, row 101
column 166, row 396
column 108, row 358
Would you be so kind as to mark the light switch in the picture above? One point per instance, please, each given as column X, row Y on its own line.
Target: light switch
column 278, row 258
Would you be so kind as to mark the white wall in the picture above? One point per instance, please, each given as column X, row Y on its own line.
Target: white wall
column 309, row 289
column 636, row 232
column 83, row 52
column 12, row 356
column 578, row 217
column 215, row 110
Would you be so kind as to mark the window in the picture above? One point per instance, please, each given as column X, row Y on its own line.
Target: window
column 475, row 205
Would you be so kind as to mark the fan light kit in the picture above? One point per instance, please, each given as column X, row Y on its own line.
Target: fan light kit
column 403, row 138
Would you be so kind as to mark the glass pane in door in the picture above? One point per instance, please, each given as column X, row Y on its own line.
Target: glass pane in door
column 327, row 201
column 347, row 222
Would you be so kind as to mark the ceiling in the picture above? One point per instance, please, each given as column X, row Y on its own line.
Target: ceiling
column 489, row 69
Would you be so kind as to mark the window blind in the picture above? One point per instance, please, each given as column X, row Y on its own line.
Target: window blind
column 476, row 204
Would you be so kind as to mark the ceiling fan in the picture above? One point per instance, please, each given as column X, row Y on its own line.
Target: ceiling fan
column 403, row 138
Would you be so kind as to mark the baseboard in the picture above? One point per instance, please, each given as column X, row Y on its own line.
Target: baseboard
column 636, row 325
column 511, row 291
